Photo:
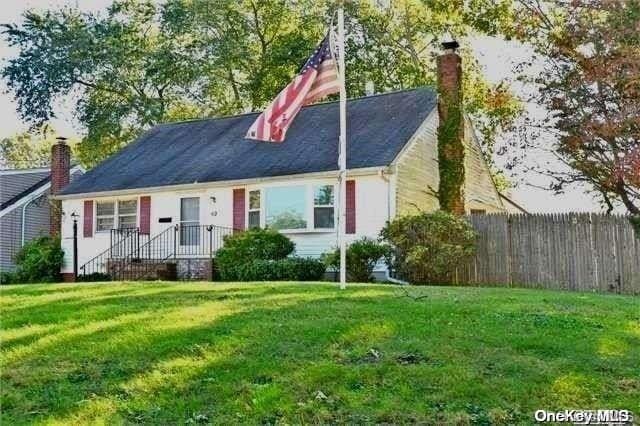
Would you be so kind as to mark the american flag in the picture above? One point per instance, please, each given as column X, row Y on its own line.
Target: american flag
column 316, row 79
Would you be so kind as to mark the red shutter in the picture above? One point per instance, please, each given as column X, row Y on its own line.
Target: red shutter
column 238, row 209
column 145, row 215
column 350, row 222
column 88, row 219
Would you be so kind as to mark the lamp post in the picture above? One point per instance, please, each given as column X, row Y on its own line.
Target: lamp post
column 75, row 216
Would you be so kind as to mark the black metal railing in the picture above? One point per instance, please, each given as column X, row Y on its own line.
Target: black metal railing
column 131, row 259
column 126, row 240
column 121, row 243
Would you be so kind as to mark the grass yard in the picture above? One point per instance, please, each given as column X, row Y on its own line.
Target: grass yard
column 171, row 353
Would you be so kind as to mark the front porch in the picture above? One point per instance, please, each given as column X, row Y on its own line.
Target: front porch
column 180, row 251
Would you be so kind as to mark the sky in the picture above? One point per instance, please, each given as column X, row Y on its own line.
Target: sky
column 497, row 57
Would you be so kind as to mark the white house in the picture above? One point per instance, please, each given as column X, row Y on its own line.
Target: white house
column 181, row 186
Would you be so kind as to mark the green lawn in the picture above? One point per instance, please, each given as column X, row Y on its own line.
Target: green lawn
column 310, row 353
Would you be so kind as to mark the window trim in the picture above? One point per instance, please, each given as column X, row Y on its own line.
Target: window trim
column 116, row 213
column 112, row 216
column 326, row 206
column 259, row 209
column 309, row 206
column 135, row 214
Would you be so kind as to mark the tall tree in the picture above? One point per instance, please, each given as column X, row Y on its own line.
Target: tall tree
column 141, row 63
column 591, row 86
column 122, row 72
column 28, row 149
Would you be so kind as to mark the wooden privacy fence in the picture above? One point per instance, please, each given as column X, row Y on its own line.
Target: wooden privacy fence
column 574, row 251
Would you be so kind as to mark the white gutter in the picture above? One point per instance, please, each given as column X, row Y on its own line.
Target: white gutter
column 27, row 198
column 205, row 185
column 385, row 178
column 24, row 212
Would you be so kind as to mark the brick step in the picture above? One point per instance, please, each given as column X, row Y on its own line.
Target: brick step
column 155, row 269
column 142, row 269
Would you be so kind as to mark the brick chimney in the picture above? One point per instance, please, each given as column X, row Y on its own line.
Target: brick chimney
column 450, row 130
column 60, row 174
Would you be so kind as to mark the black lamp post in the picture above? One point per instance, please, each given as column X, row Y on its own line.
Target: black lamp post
column 75, row 216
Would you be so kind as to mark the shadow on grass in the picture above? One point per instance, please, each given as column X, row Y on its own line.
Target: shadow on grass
column 109, row 303
column 259, row 354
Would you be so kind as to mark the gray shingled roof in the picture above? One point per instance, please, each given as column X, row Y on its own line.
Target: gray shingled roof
column 215, row 149
column 18, row 184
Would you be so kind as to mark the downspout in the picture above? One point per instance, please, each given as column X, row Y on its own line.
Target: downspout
column 388, row 182
column 393, row 280
column 24, row 212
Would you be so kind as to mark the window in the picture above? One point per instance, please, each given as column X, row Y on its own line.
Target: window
column 285, row 207
column 105, row 216
column 189, row 221
column 127, row 213
column 254, row 209
column 122, row 214
column 323, row 211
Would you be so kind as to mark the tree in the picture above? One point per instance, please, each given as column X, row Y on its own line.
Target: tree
column 124, row 74
column 395, row 47
column 28, row 149
column 140, row 63
column 591, row 86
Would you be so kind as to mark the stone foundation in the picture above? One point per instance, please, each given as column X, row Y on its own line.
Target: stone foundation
column 194, row 269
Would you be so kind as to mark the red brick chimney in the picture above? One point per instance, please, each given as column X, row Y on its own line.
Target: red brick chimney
column 450, row 130
column 60, row 174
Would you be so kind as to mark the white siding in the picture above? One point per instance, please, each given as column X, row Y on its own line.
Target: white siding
column 216, row 208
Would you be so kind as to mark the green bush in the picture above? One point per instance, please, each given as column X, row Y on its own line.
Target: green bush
column 289, row 269
column 635, row 222
column 253, row 244
column 93, row 277
column 40, row 260
column 262, row 255
column 8, row 278
column 362, row 257
column 429, row 246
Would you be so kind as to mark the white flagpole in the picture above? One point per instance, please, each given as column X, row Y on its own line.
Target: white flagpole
column 342, row 158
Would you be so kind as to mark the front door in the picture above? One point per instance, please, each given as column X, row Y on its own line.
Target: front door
column 189, row 235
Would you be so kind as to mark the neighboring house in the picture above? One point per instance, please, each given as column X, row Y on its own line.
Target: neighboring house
column 171, row 194
column 24, row 209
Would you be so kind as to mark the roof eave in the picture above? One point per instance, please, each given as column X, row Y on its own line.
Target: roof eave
column 217, row 184
column 36, row 193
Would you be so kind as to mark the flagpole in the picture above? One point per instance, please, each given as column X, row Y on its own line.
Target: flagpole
column 342, row 158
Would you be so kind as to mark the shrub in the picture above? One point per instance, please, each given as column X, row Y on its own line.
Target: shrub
column 93, row 277
column 8, row 278
column 362, row 257
column 429, row 246
column 253, row 244
column 289, row 269
column 40, row 260
column 261, row 255
column 635, row 222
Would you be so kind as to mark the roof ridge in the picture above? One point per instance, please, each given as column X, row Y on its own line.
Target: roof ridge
column 25, row 170
column 358, row 98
